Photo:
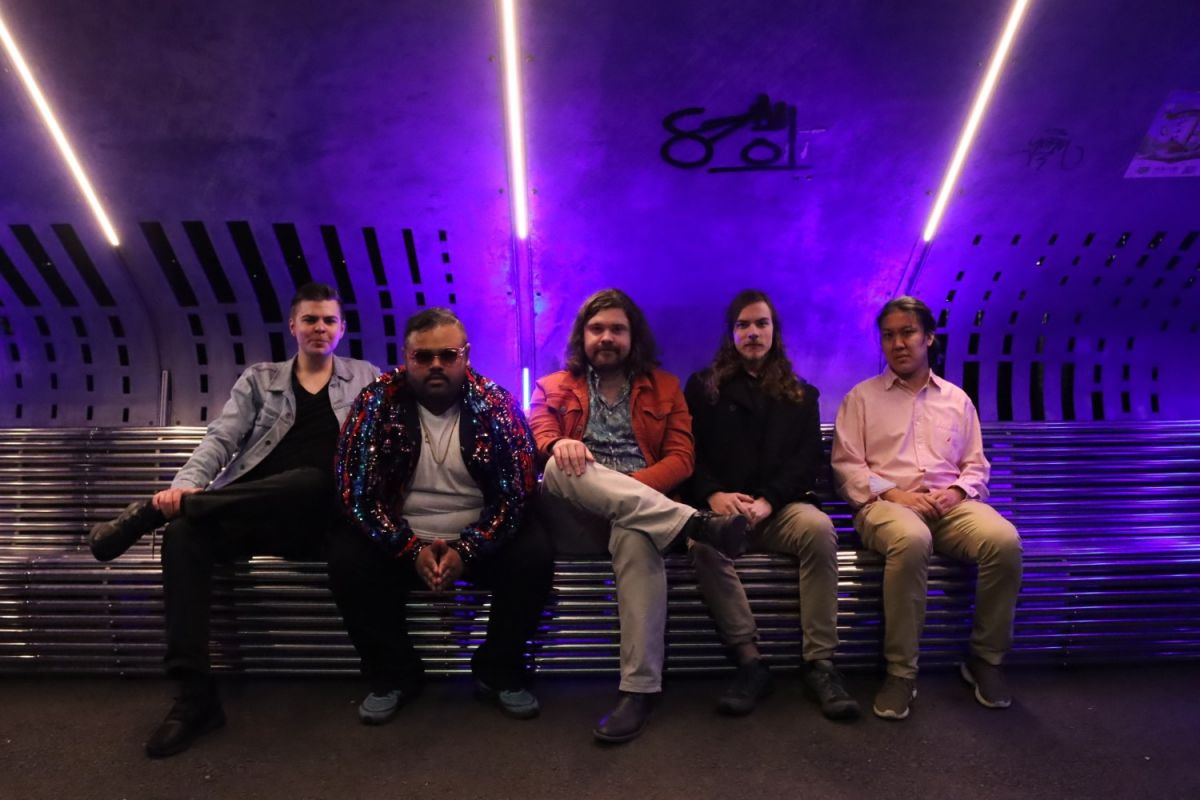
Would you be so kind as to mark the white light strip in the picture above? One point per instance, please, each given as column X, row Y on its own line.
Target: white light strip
column 60, row 138
column 513, row 116
column 525, row 389
column 981, row 101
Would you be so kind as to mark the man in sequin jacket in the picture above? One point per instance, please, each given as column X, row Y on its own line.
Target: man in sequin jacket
column 435, row 467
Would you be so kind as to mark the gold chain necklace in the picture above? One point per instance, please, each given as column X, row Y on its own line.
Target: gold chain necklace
column 444, row 444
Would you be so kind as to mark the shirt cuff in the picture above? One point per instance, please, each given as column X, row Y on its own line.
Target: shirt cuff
column 877, row 485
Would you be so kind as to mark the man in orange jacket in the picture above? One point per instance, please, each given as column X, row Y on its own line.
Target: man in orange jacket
column 616, row 437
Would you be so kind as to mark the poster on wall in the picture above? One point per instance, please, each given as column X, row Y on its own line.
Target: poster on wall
column 1171, row 148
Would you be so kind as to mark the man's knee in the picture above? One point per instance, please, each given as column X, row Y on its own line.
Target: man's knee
column 910, row 545
column 552, row 478
column 809, row 530
column 1002, row 545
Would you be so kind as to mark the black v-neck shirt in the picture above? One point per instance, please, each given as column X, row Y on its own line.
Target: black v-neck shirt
column 311, row 441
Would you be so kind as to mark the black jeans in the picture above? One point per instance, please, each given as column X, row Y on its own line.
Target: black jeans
column 371, row 589
column 288, row 514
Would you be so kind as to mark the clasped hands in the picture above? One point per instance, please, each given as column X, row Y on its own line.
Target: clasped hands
column 755, row 509
column 439, row 565
column 930, row 504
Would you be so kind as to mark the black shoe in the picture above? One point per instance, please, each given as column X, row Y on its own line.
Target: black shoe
column 726, row 532
column 195, row 713
column 627, row 720
column 751, row 684
column 110, row 539
column 824, row 684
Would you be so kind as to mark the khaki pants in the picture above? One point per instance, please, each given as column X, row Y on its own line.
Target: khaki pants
column 605, row 508
column 971, row 531
column 798, row 529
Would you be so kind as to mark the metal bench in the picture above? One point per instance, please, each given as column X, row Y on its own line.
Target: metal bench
column 1110, row 515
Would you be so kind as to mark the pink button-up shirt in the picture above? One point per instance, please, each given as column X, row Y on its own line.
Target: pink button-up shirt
column 888, row 436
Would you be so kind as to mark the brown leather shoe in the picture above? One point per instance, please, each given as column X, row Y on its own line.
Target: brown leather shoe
column 628, row 718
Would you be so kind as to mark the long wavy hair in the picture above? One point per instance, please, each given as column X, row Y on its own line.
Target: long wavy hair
column 779, row 379
column 643, row 352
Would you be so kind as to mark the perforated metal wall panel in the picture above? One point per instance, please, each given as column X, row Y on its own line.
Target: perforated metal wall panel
column 244, row 147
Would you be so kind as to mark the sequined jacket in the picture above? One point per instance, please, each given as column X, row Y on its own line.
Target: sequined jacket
column 381, row 443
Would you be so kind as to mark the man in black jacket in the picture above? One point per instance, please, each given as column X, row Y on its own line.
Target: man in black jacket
column 758, row 453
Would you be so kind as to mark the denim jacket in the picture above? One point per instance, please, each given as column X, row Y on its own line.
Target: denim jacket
column 260, row 411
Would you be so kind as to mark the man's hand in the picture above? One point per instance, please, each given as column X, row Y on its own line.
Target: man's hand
column 170, row 501
column 450, row 567
column 572, row 456
column 439, row 565
column 948, row 498
column 730, row 503
column 426, row 566
column 759, row 510
column 921, row 502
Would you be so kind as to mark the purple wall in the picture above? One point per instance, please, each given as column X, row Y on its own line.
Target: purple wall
column 388, row 117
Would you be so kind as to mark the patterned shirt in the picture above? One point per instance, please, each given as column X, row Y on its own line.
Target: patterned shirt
column 609, row 433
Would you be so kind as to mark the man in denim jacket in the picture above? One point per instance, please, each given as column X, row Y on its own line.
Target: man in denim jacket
column 259, row 483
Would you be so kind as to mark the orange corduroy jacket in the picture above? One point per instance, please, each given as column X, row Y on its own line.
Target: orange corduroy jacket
column 661, row 422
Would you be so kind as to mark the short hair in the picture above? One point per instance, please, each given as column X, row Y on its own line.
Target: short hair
column 315, row 292
column 909, row 304
column 431, row 318
column 643, row 352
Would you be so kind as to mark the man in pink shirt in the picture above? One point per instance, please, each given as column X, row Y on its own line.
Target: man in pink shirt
column 908, row 456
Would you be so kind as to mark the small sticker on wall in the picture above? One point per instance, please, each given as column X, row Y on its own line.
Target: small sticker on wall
column 1171, row 148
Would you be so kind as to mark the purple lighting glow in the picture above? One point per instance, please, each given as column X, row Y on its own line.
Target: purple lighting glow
column 56, row 132
column 513, row 115
column 981, row 103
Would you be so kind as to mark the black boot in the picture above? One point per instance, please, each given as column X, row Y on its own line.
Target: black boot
column 726, row 532
column 751, row 684
column 110, row 539
column 197, row 711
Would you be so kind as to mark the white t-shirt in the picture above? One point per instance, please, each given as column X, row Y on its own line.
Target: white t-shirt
column 442, row 498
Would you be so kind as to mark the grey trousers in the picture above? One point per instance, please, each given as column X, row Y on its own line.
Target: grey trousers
column 798, row 529
column 971, row 531
column 600, row 508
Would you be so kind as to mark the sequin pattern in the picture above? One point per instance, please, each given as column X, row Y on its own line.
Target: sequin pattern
column 381, row 442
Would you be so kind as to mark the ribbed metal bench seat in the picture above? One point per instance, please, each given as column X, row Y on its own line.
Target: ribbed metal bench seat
column 1109, row 513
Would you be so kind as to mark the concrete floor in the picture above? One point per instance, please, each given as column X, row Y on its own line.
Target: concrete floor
column 1083, row 733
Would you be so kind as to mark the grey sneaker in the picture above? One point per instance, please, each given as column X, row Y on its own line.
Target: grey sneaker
column 515, row 703
column 991, row 690
column 751, row 684
column 894, row 697
column 824, row 684
column 378, row 707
